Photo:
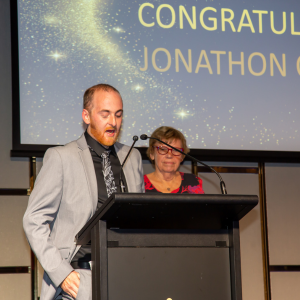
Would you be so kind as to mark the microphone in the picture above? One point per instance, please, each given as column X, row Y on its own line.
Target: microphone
column 144, row 137
column 222, row 183
column 121, row 182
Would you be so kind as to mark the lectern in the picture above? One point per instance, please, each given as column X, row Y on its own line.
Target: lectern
column 182, row 246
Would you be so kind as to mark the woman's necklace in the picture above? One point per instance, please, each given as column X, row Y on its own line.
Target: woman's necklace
column 169, row 188
column 169, row 182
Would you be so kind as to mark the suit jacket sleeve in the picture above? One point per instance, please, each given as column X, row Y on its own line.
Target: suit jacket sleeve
column 41, row 213
column 140, row 172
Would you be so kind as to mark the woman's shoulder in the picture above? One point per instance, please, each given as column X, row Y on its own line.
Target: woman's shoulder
column 192, row 183
column 148, row 185
column 147, row 177
column 189, row 176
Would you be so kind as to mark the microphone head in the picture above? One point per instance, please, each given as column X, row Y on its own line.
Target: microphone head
column 143, row 137
column 135, row 138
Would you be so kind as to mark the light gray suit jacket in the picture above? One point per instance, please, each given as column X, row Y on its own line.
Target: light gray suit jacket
column 63, row 200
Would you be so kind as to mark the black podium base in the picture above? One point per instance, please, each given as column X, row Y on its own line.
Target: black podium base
column 163, row 273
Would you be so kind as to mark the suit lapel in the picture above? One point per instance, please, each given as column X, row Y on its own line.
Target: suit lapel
column 89, row 169
column 128, row 169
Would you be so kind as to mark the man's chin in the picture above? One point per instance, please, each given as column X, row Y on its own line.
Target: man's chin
column 107, row 141
column 103, row 138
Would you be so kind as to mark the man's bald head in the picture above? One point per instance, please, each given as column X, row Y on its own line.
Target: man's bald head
column 89, row 94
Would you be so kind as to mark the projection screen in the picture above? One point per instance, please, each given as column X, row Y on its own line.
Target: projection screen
column 225, row 73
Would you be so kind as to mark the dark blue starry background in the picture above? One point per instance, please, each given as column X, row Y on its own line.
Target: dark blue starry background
column 67, row 46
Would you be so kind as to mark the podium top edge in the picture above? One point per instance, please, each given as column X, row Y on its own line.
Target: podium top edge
column 177, row 198
column 243, row 203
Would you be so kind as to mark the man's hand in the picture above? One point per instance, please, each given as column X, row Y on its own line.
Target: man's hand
column 71, row 284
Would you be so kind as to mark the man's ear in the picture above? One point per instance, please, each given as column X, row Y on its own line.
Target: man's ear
column 86, row 116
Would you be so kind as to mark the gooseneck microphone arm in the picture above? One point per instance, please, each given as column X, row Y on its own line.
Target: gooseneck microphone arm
column 222, row 183
column 121, row 182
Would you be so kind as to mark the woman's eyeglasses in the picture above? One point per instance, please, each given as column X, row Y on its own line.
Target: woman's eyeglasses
column 163, row 150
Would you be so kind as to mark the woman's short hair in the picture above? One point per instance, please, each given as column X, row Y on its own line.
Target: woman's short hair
column 168, row 135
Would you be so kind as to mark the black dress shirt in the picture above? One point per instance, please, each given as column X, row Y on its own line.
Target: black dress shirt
column 96, row 149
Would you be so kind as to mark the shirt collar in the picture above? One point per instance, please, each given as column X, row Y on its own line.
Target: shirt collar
column 97, row 147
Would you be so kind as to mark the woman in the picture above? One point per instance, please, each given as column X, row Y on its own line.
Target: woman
column 166, row 178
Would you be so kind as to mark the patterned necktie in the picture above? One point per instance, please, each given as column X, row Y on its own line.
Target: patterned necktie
column 108, row 174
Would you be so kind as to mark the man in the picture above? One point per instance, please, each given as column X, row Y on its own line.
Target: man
column 74, row 181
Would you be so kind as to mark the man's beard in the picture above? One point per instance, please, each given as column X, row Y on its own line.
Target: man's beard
column 100, row 136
